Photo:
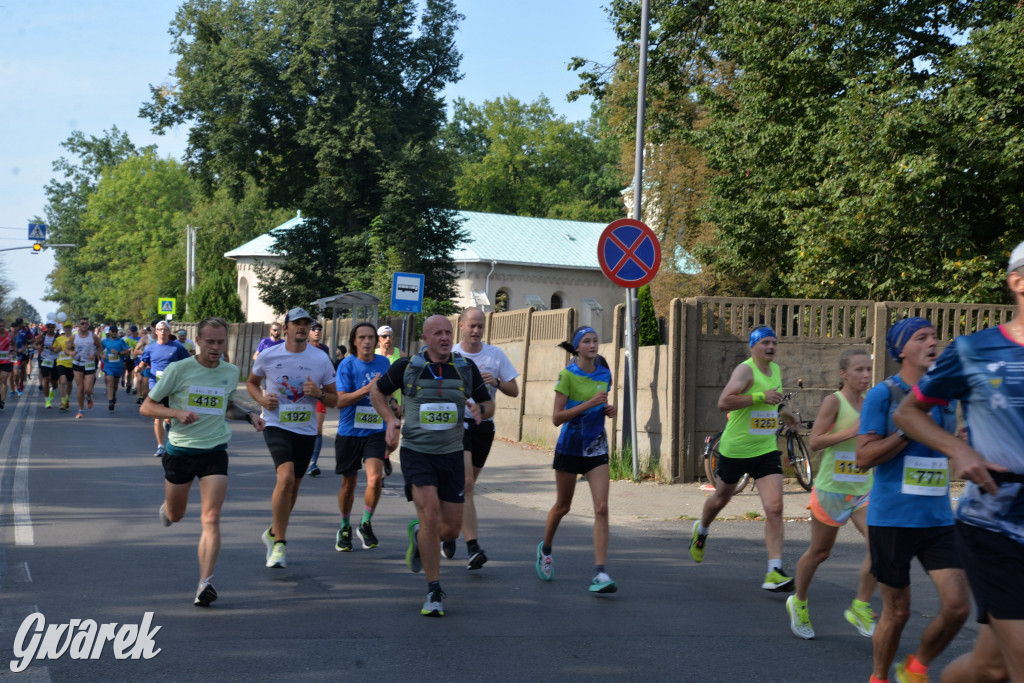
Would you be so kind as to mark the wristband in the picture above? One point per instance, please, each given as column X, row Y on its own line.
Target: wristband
column 497, row 382
column 758, row 396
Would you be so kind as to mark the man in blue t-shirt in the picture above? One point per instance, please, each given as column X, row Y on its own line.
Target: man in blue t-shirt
column 909, row 514
column 360, row 439
column 985, row 371
column 153, row 362
column 115, row 350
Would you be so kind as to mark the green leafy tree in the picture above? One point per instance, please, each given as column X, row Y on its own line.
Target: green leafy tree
column 67, row 196
column 523, row 159
column 216, row 294
column 329, row 106
column 19, row 308
column 647, row 321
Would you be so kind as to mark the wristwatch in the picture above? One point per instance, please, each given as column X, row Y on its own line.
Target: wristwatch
column 903, row 434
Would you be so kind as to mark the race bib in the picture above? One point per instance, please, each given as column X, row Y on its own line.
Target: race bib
column 845, row 468
column 159, row 374
column 206, row 400
column 89, row 365
column 763, row 422
column 294, row 415
column 64, row 356
column 925, row 476
column 438, row 416
column 47, row 362
column 5, row 356
column 113, row 358
column 367, row 418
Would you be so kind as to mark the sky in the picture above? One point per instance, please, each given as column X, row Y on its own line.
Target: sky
column 87, row 65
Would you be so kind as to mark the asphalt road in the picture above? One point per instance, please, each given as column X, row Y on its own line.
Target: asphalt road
column 81, row 540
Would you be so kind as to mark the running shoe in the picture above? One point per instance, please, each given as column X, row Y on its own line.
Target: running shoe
column 545, row 565
column 64, row 407
column 49, row 402
column 88, row 401
column 1, row 402
column 365, row 533
column 278, row 559
column 412, row 554
column 904, row 675
column 697, row 542
column 164, row 519
column 603, row 583
column 268, row 543
column 433, row 607
column 80, row 415
column 313, row 470
column 110, row 406
column 205, row 594
column 777, row 581
column 799, row 619
column 343, row 540
column 387, row 466
column 477, row 559
column 159, row 449
column 448, row 549
column 139, row 401
column 19, row 393
column 862, row 618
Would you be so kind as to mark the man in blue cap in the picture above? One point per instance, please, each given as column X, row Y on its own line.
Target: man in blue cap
column 910, row 513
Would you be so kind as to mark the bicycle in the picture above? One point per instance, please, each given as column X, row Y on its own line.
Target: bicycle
column 796, row 451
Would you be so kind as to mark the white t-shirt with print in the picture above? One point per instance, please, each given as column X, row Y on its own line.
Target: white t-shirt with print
column 284, row 372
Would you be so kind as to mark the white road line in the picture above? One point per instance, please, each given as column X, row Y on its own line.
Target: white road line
column 23, row 533
column 17, row 415
column 28, row 574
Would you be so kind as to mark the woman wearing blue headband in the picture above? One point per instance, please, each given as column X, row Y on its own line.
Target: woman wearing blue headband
column 748, row 446
column 581, row 405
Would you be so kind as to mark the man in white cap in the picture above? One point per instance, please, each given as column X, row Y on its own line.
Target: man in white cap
column 386, row 343
column 297, row 376
column 153, row 362
column 985, row 371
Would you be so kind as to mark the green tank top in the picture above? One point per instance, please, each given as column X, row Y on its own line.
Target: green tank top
column 750, row 431
column 838, row 471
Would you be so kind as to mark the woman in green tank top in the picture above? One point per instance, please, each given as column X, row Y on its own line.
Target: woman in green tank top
column 840, row 494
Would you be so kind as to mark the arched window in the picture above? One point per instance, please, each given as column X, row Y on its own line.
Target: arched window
column 501, row 300
column 556, row 301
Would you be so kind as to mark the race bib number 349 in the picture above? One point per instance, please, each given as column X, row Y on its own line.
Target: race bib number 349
column 438, row 416
column 206, row 400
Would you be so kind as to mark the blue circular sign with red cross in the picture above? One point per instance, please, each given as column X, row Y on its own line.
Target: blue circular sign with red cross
column 629, row 253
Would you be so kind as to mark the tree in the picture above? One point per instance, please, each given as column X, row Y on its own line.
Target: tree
column 331, row 107
column 19, row 308
column 647, row 321
column 67, row 196
column 522, row 159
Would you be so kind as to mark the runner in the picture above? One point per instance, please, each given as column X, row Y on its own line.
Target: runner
column 315, row 333
column 296, row 377
column 431, row 454
column 498, row 374
column 748, row 446
column 840, row 494
column 48, row 361
column 581, row 405
column 141, row 380
column 23, row 344
column 65, row 364
column 184, row 341
column 986, row 371
column 128, row 380
column 200, row 394
column 86, row 347
column 386, row 348
column 360, row 436
column 114, row 352
column 152, row 364
column 910, row 513
column 273, row 340
column 7, row 352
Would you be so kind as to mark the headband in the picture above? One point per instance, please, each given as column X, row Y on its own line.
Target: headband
column 900, row 333
column 759, row 334
column 578, row 337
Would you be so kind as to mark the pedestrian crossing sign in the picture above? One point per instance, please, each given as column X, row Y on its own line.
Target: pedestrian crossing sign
column 167, row 306
column 37, row 231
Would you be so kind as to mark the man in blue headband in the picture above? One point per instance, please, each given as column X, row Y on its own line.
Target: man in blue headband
column 909, row 514
column 986, row 371
column 748, row 446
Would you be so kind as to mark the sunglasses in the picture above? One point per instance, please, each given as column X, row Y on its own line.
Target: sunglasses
column 385, row 336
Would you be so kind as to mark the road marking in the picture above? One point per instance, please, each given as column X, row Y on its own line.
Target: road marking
column 23, row 533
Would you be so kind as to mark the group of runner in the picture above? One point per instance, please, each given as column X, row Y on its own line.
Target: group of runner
column 888, row 456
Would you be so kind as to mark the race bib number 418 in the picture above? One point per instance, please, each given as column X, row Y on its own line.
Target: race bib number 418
column 206, row 400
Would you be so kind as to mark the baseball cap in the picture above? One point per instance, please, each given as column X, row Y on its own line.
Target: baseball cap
column 134, row 328
column 163, row 324
column 317, row 326
column 1016, row 258
column 385, row 329
column 181, row 332
column 297, row 314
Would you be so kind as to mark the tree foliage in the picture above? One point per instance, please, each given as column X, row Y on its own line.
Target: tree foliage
column 331, row 107
column 648, row 333
column 852, row 149
column 19, row 308
column 524, row 160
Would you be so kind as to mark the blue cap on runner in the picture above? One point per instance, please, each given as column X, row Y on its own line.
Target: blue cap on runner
column 578, row 337
column 900, row 333
column 759, row 333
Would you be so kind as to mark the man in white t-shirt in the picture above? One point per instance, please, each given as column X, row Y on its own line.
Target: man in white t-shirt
column 297, row 376
column 499, row 375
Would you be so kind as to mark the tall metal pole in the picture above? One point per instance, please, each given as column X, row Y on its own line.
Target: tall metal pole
column 638, row 177
column 188, row 264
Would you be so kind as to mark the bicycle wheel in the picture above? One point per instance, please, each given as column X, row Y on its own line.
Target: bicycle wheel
column 711, row 456
column 800, row 460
